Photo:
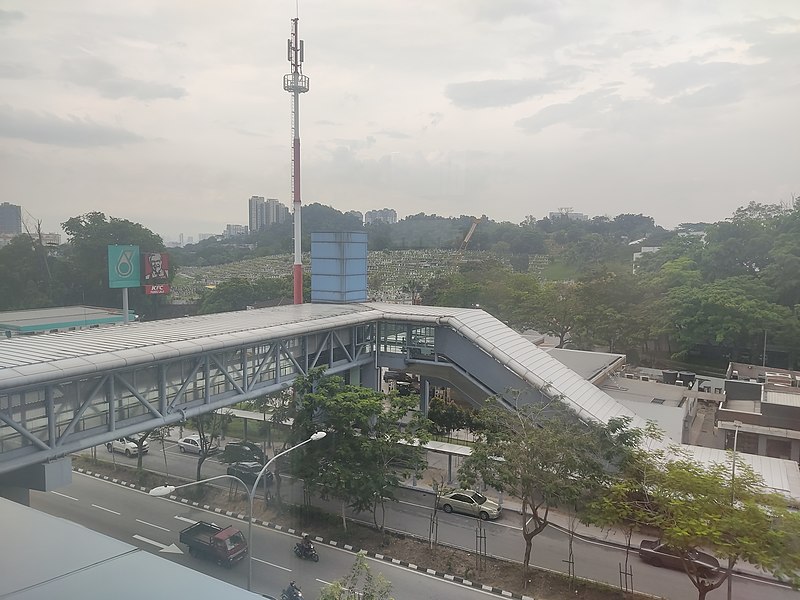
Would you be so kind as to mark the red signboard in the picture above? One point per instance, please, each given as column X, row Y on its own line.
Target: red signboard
column 160, row 288
column 155, row 272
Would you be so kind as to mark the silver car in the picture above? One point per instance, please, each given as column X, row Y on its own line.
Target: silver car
column 469, row 502
column 191, row 444
column 127, row 446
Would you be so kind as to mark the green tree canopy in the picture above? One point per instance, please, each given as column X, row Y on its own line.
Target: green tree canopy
column 370, row 445
column 545, row 456
column 86, row 276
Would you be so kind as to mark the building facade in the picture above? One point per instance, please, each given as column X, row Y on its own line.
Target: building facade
column 265, row 212
column 386, row 215
column 10, row 219
column 761, row 411
column 232, row 230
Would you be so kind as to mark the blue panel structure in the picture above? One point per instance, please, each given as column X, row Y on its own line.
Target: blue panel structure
column 339, row 266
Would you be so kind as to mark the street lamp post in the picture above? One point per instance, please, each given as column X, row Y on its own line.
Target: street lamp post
column 736, row 425
column 165, row 490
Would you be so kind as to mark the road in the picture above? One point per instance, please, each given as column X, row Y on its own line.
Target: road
column 153, row 525
column 593, row 560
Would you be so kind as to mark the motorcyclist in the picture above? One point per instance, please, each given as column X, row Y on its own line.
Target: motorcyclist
column 293, row 591
column 306, row 544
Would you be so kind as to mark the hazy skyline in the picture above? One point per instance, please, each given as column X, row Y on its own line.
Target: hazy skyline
column 172, row 114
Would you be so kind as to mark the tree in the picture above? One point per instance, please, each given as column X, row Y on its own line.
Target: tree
column 543, row 455
column 209, row 429
column 732, row 313
column 360, row 583
column 446, row 416
column 703, row 506
column 86, row 279
column 373, row 443
column 24, row 282
column 624, row 501
column 553, row 309
column 611, row 312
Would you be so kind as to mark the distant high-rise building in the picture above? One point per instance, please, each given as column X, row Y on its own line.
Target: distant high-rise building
column 387, row 215
column 205, row 236
column 234, row 230
column 256, row 210
column 180, row 239
column 567, row 214
column 190, row 240
column 10, row 218
column 51, row 239
column 263, row 213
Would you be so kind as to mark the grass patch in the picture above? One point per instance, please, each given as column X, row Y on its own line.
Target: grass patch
column 557, row 271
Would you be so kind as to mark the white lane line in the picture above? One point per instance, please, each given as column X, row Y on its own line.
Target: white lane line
column 151, row 525
column 272, row 564
column 171, row 549
column 141, row 538
column 413, row 504
column 65, row 496
column 106, row 509
column 324, row 582
column 185, row 520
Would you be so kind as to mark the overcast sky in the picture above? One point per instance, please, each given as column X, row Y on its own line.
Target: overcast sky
column 172, row 113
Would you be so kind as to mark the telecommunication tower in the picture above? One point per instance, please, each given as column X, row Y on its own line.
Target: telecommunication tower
column 296, row 83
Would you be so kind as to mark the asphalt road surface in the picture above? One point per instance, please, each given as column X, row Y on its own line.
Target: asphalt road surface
column 592, row 559
column 153, row 525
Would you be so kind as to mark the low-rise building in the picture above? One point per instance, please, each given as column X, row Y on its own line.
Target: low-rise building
column 760, row 413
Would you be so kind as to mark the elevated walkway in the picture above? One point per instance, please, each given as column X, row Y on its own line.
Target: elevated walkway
column 63, row 392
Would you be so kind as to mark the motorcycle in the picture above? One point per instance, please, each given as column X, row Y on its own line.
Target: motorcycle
column 302, row 552
column 292, row 593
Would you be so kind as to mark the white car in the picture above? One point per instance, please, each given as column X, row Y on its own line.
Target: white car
column 191, row 444
column 127, row 445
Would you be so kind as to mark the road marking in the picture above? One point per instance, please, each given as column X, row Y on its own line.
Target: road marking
column 171, row 549
column 151, row 525
column 106, row 509
column 324, row 582
column 65, row 496
column 413, row 504
column 185, row 520
column 272, row 564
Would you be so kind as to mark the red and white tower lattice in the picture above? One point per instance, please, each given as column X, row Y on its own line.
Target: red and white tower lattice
column 296, row 83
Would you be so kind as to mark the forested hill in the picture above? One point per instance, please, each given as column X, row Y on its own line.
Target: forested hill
column 422, row 231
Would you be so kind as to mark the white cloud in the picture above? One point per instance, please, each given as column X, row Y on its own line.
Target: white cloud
column 505, row 107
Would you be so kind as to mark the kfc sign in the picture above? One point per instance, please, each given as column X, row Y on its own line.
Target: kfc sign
column 161, row 288
column 155, row 267
column 155, row 273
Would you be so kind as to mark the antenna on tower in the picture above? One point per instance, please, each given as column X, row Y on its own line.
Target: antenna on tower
column 296, row 83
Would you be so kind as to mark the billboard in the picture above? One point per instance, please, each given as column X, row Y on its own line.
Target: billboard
column 123, row 266
column 155, row 272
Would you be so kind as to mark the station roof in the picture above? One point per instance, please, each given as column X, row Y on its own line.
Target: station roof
column 59, row 317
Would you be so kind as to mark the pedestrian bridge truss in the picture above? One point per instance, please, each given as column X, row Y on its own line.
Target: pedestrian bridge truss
column 64, row 392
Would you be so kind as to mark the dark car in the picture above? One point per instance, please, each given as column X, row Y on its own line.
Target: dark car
column 660, row 554
column 243, row 452
column 248, row 471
